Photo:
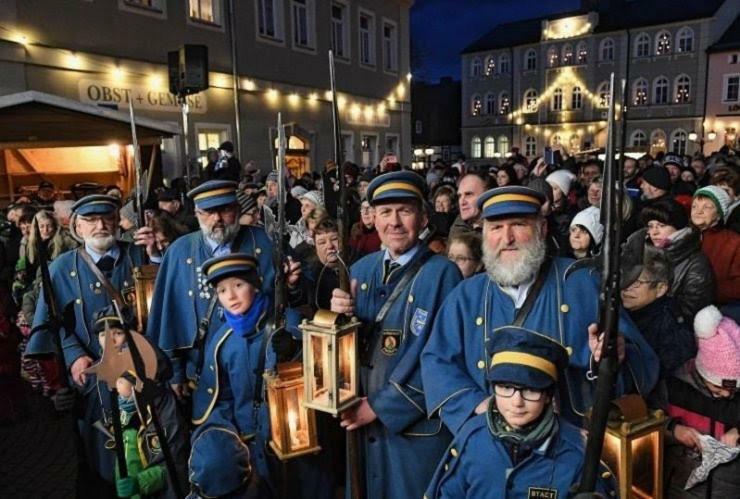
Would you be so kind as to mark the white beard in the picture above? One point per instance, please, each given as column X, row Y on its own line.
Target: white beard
column 221, row 237
column 101, row 244
column 515, row 273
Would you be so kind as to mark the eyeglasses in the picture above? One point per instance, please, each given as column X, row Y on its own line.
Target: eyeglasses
column 461, row 259
column 640, row 282
column 94, row 219
column 228, row 209
column 508, row 391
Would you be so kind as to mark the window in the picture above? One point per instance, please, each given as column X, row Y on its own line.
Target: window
column 530, row 146
column 475, row 67
column 663, row 43
column 582, row 52
column 603, row 94
column 490, row 104
column 269, row 17
column 640, row 92
column 683, row 89
column 530, row 101
column 367, row 39
column 557, row 100
column 576, row 100
column 392, row 142
column 489, row 147
column 210, row 136
column 567, row 54
column 340, row 30
column 731, row 91
column 303, row 21
column 490, row 65
column 418, row 127
column 390, row 47
column 504, row 104
column 207, row 11
column 660, row 90
column 642, row 45
column 475, row 147
column 504, row 66
column 503, row 144
column 733, row 58
column 145, row 4
column 553, row 57
column 657, row 141
column 475, row 105
column 678, row 141
column 606, row 50
column 530, row 60
column 638, row 139
column 685, row 40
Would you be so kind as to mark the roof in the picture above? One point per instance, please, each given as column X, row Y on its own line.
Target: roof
column 615, row 16
column 37, row 119
column 730, row 39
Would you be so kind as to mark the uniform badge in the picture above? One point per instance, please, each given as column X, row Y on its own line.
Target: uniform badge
column 542, row 493
column 391, row 341
column 418, row 321
column 129, row 296
column 152, row 442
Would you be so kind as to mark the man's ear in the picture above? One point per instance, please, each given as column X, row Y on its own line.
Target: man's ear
column 662, row 289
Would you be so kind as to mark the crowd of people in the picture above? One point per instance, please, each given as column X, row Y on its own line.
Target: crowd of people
column 477, row 349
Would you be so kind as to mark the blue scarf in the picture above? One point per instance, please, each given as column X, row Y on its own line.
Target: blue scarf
column 244, row 323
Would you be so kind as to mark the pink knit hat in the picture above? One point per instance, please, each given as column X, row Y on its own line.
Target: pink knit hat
column 718, row 338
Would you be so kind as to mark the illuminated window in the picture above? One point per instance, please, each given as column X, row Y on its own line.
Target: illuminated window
column 490, row 65
column 663, row 43
column 606, row 50
column 660, row 90
column 530, row 101
column 206, row 11
column 475, row 147
column 504, row 65
column 530, row 60
column 576, row 101
column 557, row 99
column 476, row 67
column 679, row 140
column 685, row 40
column 638, row 139
column 504, row 104
column 503, row 144
column 657, row 141
column 490, row 104
column 567, row 54
column 642, row 45
column 530, row 146
column 553, row 57
column 640, row 92
column 476, row 105
column 582, row 51
column 603, row 94
column 683, row 89
column 489, row 147
column 210, row 138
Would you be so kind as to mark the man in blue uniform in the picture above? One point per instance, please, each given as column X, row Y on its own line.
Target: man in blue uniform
column 519, row 447
column 396, row 294
column 182, row 300
column 524, row 288
column 80, row 293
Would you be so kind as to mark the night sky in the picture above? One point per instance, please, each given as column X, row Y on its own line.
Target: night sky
column 441, row 29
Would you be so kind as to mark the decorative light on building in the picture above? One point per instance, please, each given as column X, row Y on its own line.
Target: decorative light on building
column 249, row 85
column 711, row 135
column 272, row 95
column 117, row 73
column 156, row 81
column 341, row 101
column 355, row 111
column 381, row 109
column 369, row 113
column 490, row 66
column 401, row 91
column 294, row 99
column 408, row 77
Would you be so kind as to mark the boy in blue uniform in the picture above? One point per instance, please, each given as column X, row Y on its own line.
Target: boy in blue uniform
column 397, row 293
column 519, row 447
column 522, row 287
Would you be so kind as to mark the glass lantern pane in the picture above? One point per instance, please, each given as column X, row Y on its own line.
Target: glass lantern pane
column 320, row 380
column 347, row 358
column 296, row 418
column 644, row 467
column 273, row 398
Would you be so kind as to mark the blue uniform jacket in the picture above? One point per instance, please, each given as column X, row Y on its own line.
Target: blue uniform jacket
column 455, row 360
column 477, row 466
column 402, row 446
column 181, row 296
column 75, row 285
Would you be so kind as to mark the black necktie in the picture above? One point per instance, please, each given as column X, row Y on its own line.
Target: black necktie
column 106, row 263
column 389, row 267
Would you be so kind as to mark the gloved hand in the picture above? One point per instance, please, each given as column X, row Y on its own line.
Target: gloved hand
column 64, row 399
column 127, row 487
column 284, row 345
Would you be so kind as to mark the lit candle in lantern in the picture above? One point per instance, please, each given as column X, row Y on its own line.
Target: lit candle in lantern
column 293, row 427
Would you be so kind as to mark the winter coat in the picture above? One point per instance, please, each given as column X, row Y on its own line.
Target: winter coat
column 722, row 248
column 693, row 284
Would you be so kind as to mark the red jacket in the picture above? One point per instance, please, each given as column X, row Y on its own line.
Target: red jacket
column 722, row 247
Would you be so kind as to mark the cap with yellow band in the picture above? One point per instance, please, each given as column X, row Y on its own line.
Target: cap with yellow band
column 213, row 194
column 510, row 201
column 232, row 265
column 396, row 186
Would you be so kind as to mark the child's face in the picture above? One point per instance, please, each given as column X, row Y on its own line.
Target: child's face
column 119, row 337
column 235, row 295
column 516, row 410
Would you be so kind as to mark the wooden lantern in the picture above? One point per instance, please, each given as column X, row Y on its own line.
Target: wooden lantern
column 633, row 448
column 144, row 278
column 293, row 426
column 330, row 362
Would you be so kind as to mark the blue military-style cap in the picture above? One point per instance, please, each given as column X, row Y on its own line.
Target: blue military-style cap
column 395, row 186
column 96, row 204
column 524, row 358
column 219, row 462
column 232, row 265
column 213, row 193
column 510, row 201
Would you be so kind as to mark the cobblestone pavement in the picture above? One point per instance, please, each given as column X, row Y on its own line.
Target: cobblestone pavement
column 37, row 452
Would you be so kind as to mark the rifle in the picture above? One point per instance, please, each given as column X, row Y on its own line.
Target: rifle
column 609, row 303
column 138, row 195
column 354, row 476
column 278, row 231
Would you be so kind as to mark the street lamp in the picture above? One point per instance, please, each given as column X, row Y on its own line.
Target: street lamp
column 711, row 135
column 694, row 137
column 429, row 151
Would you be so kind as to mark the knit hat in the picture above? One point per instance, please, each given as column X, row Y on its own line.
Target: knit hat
column 247, row 202
column 563, row 179
column 658, row 177
column 718, row 196
column 298, row 191
column 673, row 159
column 127, row 212
column 227, row 146
column 718, row 339
column 314, row 197
column 590, row 219
column 665, row 211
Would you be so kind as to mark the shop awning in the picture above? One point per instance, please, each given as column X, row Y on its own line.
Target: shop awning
column 35, row 119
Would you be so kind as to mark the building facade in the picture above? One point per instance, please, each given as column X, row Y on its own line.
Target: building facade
column 540, row 82
column 110, row 52
column 436, row 120
column 722, row 122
